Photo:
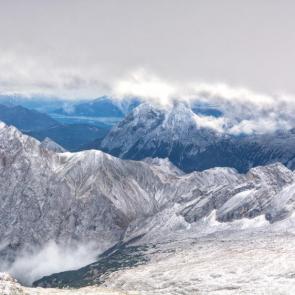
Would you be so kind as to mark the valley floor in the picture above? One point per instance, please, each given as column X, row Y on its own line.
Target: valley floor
column 251, row 264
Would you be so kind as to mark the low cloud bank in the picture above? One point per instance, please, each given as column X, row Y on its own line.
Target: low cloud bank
column 244, row 111
column 53, row 258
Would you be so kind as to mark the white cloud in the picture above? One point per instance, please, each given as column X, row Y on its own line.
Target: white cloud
column 259, row 126
column 217, row 124
column 222, row 92
column 38, row 76
column 245, row 111
column 52, row 258
column 147, row 87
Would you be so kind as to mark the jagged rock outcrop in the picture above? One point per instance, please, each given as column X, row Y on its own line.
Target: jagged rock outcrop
column 51, row 145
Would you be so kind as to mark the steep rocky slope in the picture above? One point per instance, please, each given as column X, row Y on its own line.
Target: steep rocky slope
column 154, row 132
column 92, row 197
column 78, row 197
column 25, row 119
column 49, row 144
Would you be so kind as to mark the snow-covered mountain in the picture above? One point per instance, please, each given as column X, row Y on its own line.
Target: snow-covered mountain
column 221, row 231
column 92, row 197
column 149, row 131
column 83, row 196
column 193, row 144
column 25, row 119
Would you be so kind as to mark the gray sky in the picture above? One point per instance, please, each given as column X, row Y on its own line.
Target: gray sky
column 237, row 54
column 83, row 48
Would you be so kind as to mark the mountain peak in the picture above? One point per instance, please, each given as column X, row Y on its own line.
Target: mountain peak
column 146, row 108
column 150, row 131
column 9, row 132
column 180, row 116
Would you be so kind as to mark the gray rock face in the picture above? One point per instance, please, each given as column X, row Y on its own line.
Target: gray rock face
column 47, row 196
column 92, row 196
column 50, row 145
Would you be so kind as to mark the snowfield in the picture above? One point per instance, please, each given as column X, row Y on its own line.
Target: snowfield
column 9, row 286
column 251, row 264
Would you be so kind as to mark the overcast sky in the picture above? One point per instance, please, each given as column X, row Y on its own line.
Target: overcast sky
column 237, row 54
column 83, row 48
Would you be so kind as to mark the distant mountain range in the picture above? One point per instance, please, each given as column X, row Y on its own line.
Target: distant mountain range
column 39, row 125
column 155, row 132
column 174, row 133
column 25, row 119
column 41, row 104
column 102, row 107
column 72, row 137
column 101, row 110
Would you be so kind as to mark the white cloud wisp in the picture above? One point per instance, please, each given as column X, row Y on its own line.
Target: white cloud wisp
column 244, row 111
